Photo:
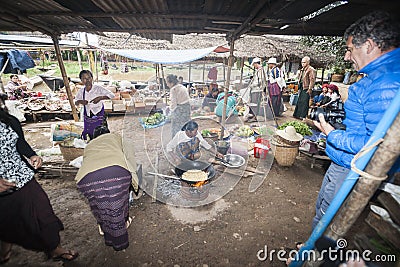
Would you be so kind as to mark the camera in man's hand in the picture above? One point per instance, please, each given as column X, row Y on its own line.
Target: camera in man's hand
column 333, row 113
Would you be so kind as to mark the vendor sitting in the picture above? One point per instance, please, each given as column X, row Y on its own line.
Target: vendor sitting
column 231, row 105
column 15, row 89
column 318, row 98
column 186, row 144
column 210, row 99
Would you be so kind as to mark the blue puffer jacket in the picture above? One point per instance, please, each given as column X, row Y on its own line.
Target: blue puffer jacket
column 367, row 101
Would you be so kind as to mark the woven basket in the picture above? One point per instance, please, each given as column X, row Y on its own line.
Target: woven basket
column 284, row 141
column 285, row 155
column 70, row 153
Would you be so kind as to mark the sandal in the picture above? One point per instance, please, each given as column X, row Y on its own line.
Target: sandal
column 128, row 222
column 69, row 255
column 100, row 231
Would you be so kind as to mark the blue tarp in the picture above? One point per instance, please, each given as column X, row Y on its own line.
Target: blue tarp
column 164, row 56
column 18, row 60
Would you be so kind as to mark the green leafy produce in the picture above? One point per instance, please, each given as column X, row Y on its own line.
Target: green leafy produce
column 245, row 131
column 300, row 127
column 205, row 132
column 154, row 119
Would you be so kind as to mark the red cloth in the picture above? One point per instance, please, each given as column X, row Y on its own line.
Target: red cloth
column 213, row 73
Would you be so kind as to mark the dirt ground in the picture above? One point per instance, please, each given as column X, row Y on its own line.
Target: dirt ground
column 230, row 231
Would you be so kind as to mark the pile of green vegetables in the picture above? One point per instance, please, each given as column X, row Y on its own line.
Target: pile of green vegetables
column 300, row 127
column 245, row 131
column 154, row 119
column 206, row 133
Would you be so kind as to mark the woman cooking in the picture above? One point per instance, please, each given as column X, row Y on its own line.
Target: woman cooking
column 186, row 144
column 90, row 97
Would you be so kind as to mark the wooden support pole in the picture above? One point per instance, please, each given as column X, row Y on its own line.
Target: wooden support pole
column 227, row 83
column 381, row 162
column 241, row 72
column 224, row 66
column 91, row 61
column 90, row 55
column 65, row 78
column 158, row 75
column 163, row 82
column 78, row 54
column 95, row 64
column 204, row 71
column 156, row 166
column 1, row 73
column 190, row 73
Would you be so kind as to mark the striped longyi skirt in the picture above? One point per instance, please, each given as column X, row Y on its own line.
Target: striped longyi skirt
column 107, row 190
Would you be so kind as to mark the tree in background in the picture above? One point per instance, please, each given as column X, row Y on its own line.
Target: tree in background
column 330, row 44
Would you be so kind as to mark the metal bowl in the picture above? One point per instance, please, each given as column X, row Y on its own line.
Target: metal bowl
column 233, row 160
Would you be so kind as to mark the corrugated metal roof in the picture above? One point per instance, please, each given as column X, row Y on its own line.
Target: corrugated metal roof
column 161, row 18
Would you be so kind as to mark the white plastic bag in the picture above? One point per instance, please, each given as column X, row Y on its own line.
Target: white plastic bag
column 77, row 163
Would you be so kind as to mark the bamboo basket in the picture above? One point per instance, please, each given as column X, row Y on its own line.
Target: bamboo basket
column 285, row 154
column 70, row 153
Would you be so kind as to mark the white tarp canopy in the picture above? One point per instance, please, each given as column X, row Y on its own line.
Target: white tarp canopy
column 164, row 56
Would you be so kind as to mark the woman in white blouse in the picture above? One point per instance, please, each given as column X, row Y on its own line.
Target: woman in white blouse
column 90, row 97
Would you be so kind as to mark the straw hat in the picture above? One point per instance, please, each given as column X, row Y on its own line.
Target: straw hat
column 289, row 133
column 272, row 60
column 256, row 60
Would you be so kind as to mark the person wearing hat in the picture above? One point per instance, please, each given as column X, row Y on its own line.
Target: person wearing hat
column 275, row 86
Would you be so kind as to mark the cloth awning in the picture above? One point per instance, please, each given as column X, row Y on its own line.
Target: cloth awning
column 164, row 56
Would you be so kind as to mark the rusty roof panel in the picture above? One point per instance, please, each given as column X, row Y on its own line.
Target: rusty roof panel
column 161, row 18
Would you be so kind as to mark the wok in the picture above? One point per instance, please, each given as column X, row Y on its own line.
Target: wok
column 194, row 165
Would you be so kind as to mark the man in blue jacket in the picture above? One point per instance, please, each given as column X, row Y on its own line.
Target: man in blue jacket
column 372, row 45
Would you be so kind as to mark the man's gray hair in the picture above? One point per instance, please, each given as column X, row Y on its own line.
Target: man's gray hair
column 378, row 26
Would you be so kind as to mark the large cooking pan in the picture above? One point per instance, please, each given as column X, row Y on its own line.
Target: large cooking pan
column 194, row 165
